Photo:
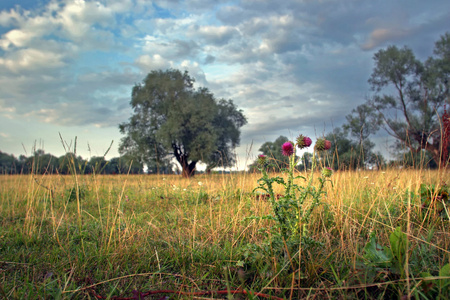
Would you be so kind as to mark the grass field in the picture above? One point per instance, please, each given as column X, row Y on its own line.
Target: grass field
column 166, row 237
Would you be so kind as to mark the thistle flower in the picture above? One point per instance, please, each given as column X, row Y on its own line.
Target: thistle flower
column 262, row 159
column 287, row 149
column 303, row 141
column 322, row 144
column 327, row 172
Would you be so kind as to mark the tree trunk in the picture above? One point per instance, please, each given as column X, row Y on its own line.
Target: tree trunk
column 188, row 169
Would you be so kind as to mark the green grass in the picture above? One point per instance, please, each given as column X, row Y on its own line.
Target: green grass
column 80, row 236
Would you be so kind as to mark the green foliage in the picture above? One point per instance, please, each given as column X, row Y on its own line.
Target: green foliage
column 172, row 119
column 376, row 254
column 393, row 258
column 435, row 200
column 75, row 192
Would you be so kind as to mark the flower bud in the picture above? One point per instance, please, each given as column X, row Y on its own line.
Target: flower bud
column 327, row 172
column 262, row 159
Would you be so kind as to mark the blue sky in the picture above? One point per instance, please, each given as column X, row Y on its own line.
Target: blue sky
column 68, row 67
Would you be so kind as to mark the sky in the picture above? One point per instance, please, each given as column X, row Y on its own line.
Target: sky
column 67, row 67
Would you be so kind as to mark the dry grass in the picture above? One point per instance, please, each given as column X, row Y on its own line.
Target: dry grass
column 191, row 234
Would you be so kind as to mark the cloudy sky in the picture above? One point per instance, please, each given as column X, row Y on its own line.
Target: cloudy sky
column 67, row 66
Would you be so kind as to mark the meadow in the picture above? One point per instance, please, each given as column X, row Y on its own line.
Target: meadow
column 376, row 235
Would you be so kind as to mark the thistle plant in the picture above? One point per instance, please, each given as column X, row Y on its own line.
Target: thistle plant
column 292, row 211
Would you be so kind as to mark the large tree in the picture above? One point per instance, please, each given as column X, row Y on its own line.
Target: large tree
column 173, row 119
column 410, row 96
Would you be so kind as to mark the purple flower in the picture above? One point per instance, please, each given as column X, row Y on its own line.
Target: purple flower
column 287, row 149
column 303, row 141
column 322, row 144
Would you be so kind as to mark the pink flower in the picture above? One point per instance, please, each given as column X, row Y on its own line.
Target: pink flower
column 287, row 149
column 303, row 141
column 307, row 141
column 322, row 144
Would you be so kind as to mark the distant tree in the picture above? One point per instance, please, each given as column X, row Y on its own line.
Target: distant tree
column 39, row 163
column 416, row 94
column 410, row 159
column 8, row 164
column 172, row 119
column 362, row 122
column 70, row 163
column 23, row 164
column 97, row 165
column 123, row 165
column 306, row 161
column 273, row 151
column 352, row 154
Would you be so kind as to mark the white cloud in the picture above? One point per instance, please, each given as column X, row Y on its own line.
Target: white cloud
column 78, row 17
column 169, row 49
column 154, row 62
column 215, row 35
column 32, row 60
column 11, row 18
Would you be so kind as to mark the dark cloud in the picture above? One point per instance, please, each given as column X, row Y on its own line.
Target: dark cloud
column 209, row 59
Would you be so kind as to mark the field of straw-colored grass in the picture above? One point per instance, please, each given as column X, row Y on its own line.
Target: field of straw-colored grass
column 92, row 236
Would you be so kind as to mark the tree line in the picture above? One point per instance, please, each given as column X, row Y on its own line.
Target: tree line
column 45, row 163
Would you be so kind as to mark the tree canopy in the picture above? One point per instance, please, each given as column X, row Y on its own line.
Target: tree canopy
column 172, row 119
column 411, row 95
